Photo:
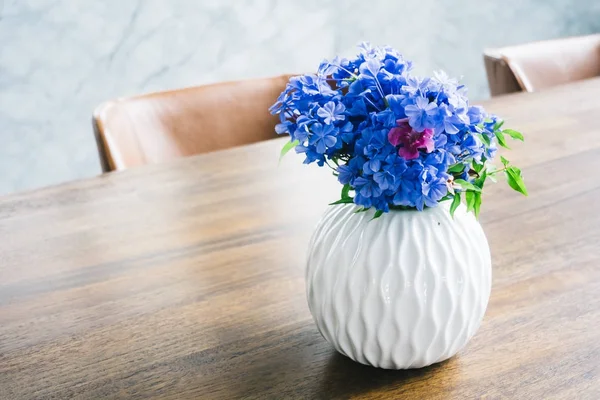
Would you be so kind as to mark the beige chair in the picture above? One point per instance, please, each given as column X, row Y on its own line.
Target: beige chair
column 538, row 65
column 158, row 127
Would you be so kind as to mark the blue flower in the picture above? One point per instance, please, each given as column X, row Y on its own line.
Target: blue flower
column 476, row 115
column 433, row 187
column 405, row 194
column 347, row 132
column 282, row 128
column 376, row 142
column 385, row 118
column 350, row 112
column 311, row 155
column 446, row 83
column 358, row 108
column 381, row 203
column 454, row 124
column 440, row 159
column 449, row 121
column 415, row 86
column 420, row 113
column 385, row 180
column 367, row 187
column 332, row 112
column 396, row 104
column 347, row 172
column 491, row 151
column 301, row 133
column 370, row 68
column 366, row 202
column 473, row 145
column 371, row 166
column 395, row 165
column 323, row 136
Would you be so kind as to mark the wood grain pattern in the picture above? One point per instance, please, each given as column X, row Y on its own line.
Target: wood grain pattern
column 185, row 280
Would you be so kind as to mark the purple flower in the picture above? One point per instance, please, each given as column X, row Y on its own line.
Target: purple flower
column 410, row 140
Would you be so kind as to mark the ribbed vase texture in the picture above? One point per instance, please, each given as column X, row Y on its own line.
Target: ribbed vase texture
column 405, row 290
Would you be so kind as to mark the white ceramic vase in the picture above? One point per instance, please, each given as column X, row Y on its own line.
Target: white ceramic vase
column 406, row 290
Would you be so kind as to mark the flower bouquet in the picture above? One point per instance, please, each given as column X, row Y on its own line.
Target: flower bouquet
column 399, row 269
column 395, row 140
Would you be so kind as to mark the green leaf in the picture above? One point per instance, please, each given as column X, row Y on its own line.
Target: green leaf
column 456, row 168
column 288, row 146
column 515, row 180
column 343, row 201
column 361, row 210
column 470, row 199
column 477, row 205
column 473, row 202
column 455, row 203
column 514, row 134
column 498, row 125
column 504, row 161
column 378, row 214
column 447, row 197
column 346, row 191
column 477, row 167
column 485, row 139
column 479, row 182
column 467, row 185
column 501, row 139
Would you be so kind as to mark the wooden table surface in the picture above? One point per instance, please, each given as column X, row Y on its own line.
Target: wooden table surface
column 186, row 280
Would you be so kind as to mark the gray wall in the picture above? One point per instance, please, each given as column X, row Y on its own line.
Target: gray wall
column 60, row 58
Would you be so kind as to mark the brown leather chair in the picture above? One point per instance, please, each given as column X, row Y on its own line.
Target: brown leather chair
column 158, row 127
column 538, row 65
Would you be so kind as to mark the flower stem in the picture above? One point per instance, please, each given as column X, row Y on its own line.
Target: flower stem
column 498, row 170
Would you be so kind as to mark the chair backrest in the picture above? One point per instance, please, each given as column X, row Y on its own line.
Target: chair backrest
column 158, row 127
column 538, row 65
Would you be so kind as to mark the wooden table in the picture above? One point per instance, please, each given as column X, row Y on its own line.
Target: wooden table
column 185, row 280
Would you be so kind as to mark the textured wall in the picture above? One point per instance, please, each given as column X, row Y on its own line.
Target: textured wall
column 60, row 58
